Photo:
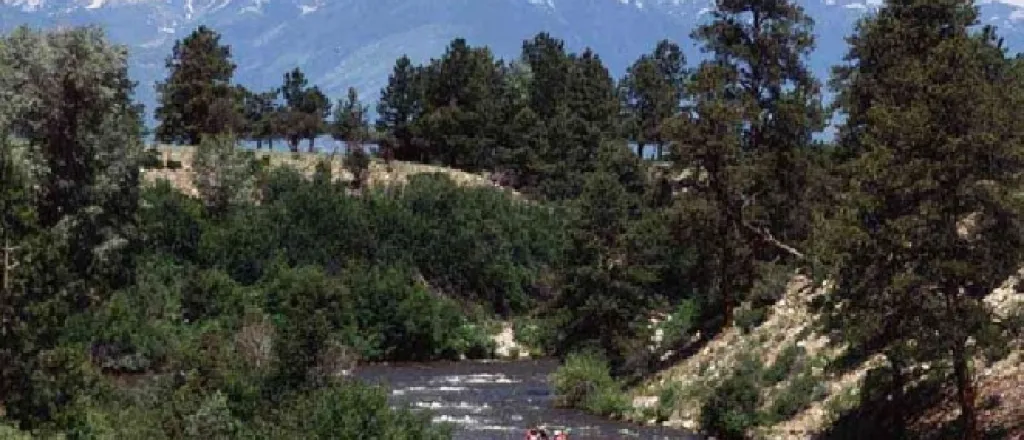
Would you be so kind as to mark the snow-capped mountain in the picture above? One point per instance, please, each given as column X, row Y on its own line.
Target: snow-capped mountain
column 342, row 43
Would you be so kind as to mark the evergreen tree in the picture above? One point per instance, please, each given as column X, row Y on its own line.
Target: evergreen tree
column 259, row 109
column 755, row 107
column 708, row 148
column 604, row 295
column 929, row 223
column 350, row 122
column 651, row 93
column 401, row 103
column 351, row 126
column 591, row 94
column 197, row 96
column 305, row 112
column 461, row 97
column 767, row 44
column 549, row 66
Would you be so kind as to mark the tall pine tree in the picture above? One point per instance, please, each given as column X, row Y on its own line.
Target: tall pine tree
column 461, row 97
column 401, row 103
column 305, row 112
column 194, row 99
column 755, row 109
column 930, row 221
column 651, row 93
column 767, row 44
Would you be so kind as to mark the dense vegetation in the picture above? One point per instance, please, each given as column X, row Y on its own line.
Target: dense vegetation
column 238, row 308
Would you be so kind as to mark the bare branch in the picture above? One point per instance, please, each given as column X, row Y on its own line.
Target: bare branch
column 766, row 235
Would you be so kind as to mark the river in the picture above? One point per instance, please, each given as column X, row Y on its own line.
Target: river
column 496, row 400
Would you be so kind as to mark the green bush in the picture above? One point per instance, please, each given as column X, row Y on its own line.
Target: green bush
column 350, row 411
column 310, row 309
column 684, row 321
column 584, row 381
column 732, row 408
column 213, row 420
column 783, row 365
column 171, row 221
column 212, row 294
column 667, row 399
column 798, row 395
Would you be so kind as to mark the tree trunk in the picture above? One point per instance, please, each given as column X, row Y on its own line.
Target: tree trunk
column 966, row 393
column 725, row 281
column 270, row 144
column 640, row 149
column 898, row 411
column 259, row 144
column 311, row 145
column 294, row 144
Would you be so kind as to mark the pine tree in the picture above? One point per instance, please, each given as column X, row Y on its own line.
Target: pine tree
column 708, row 143
column 755, row 108
column 259, row 109
column 461, row 97
column 550, row 66
column 602, row 296
column 929, row 223
column 197, row 93
column 767, row 44
column 591, row 94
column 305, row 111
column 351, row 126
column 350, row 122
column 651, row 93
column 401, row 103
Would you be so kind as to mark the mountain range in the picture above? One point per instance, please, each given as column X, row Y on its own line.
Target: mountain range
column 343, row 43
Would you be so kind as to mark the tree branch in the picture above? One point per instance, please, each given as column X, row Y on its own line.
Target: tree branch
column 766, row 235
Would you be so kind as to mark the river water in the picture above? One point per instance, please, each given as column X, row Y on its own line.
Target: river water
column 496, row 400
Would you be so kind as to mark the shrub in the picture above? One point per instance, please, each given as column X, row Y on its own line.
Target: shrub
column 212, row 421
column 212, row 294
column 684, row 320
column 783, row 365
column 312, row 309
column 151, row 159
column 731, row 410
column 350, row 411
column 584, row 381
column 797, row 396
column 254, row 342
column 171, row 221
column 667, row 399
column 357, row 162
